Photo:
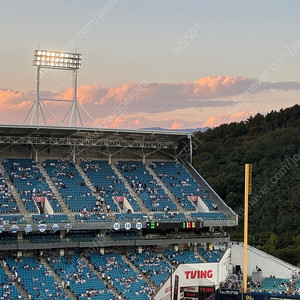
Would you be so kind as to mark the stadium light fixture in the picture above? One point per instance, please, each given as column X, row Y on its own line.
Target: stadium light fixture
column 57, row 60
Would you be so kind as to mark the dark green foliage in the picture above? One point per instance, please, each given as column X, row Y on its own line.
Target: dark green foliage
column 271, row 144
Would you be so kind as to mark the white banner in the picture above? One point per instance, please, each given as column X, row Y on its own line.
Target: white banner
column 205, row 274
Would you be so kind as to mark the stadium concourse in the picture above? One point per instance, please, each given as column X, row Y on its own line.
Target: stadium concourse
column 118, row 214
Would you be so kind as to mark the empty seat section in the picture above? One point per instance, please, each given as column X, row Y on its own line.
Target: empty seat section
column 143, row 183
column 127, row 281
column 71, row 185
column 107, row 183
column 35, row 278
column 181, row 183
column 151, row 265
column 82, row 280
column 217, row 215
column 29, row 182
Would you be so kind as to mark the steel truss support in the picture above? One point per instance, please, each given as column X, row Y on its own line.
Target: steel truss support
column 14, row 140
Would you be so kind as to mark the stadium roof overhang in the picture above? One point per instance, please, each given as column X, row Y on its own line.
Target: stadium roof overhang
column 55, row 135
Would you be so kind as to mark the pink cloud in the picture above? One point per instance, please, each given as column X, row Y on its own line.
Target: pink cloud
column 176, row 125
column 14, row 100
column 85, row 93
column 219, row 85
column 153, row 104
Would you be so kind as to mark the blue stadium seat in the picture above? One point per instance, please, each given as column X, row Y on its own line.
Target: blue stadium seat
column 71, row 185
column 152, row 265
column 7, row 288
column 277, row 285
column 7, row 202
column 143, row 183
column 29, row 182
column 182, row 257
column 216, row 215
column 181, row 183
column 50, row 218
column 36, row 279
column 12, row 219
column 210, row 255
column 131, row 217
column 92, row 218
column 83, row 280
column 170, row 216
column 107, row 181
column 128, row 283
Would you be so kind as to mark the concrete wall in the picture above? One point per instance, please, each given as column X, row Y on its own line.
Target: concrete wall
column 269, row 264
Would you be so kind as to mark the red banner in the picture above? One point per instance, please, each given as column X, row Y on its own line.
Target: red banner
column 119, row 199
column 194, row 198
column 39, row 199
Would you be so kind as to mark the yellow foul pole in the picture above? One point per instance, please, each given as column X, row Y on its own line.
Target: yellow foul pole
column 248, row 188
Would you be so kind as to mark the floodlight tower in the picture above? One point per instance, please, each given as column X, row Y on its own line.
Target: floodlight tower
column 55, row 60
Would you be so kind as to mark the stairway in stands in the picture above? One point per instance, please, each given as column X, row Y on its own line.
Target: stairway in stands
column 166, row 190
column 148, row 280
column 115, row 292
column 131, row 191
column 170, row 194
column 17, row 285
column 20, row 203
column 57, row 279
column 89, row 184
column 56, row 193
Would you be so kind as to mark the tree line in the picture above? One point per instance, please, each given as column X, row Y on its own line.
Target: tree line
column 271, row 143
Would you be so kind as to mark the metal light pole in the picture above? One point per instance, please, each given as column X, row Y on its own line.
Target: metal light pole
column 56, row 60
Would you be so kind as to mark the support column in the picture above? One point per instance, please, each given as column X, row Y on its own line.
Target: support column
column 62, row 234
column 36, row 155
column 140, row 249
column 209, row 246
column 75, row 106
column 37, row 96
column 74, row 155
column 20, row 235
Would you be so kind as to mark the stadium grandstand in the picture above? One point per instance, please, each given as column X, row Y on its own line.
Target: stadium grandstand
column 112, row 214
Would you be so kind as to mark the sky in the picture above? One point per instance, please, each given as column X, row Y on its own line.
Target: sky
column 168, row 63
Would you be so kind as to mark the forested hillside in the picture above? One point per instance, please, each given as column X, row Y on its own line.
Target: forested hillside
column 271, row 144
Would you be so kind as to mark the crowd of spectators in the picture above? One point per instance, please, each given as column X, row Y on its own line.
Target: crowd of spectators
column 143, row 184
column 77, row 276
column 122, row 276
column 35, row 278
column 7, row 201
column 153, row 266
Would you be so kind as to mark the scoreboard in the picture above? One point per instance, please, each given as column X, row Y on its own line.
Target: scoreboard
column 174, row 225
